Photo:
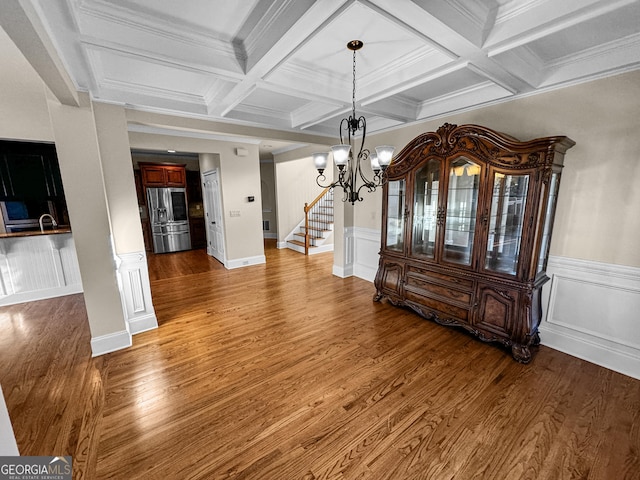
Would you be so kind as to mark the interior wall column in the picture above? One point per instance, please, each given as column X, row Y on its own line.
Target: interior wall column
column 126, row 228
column 76, row 139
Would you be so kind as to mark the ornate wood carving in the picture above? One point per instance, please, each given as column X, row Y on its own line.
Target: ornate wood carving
column 494, row 305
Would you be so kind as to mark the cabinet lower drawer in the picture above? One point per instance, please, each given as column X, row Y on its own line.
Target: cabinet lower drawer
column 442, row 309
column 439, row 290
column 441, row 277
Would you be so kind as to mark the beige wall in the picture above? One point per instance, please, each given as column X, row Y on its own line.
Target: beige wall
column 295, row 186
column 23, row 104
column 239, row 178
column 111, row 127
column 598, row 210
column 208, row 162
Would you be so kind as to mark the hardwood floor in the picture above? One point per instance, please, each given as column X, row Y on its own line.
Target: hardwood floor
column 283, row 371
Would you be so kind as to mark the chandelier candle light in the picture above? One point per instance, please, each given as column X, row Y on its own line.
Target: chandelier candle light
column 349, row 169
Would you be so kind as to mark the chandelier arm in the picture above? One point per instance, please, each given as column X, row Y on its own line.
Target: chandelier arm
column 320, row 178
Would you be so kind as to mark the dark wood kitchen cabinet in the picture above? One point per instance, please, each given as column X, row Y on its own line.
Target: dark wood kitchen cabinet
column 467, row 220
column 157, row 175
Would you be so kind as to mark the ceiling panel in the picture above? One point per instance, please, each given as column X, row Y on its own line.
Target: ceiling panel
column 613, row 26
column 222, row 18
column 284, row 64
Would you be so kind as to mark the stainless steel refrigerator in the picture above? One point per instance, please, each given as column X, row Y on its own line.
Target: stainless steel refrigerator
column 168, row 214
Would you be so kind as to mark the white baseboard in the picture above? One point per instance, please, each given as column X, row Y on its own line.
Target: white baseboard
column 591, row 313
column 321, row 249
column 342, row 272
column 245, row 262
column 110, row 343
column 34, row 295
column 143, row 323
column 270, row 235
column 280, row 245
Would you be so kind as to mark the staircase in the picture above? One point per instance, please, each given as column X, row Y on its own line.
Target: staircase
column 318, row 222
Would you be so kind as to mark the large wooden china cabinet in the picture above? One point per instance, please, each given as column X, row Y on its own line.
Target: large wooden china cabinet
column 467, row 218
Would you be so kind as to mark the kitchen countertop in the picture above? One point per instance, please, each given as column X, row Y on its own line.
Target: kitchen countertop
column 33, row 233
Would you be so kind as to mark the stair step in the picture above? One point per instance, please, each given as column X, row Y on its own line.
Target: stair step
column 299, row 243
column 311, row 237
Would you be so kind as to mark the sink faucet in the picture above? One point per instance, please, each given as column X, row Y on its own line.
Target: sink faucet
column 53, row 221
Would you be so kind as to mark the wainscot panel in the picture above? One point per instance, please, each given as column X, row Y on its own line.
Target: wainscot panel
column 135, row 289
column 591, row 312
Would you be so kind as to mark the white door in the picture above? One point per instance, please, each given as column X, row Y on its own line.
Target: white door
column 213, row 215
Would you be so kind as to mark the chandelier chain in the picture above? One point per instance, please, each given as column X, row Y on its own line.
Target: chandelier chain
column 353, row 97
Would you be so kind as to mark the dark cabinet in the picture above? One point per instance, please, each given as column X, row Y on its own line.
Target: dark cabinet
column 29, row 171
column 198, row 234
column 194, row 186
column 155, row 175
column 467, row 217
column 137, row 177
column 30, row 185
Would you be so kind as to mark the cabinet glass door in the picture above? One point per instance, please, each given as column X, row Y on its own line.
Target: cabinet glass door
column 462, row 205
column 506, row 221
column 549, row 213
column 425, row 209
column 395, row 215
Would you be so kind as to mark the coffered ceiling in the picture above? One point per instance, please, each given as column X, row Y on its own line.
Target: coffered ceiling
column 284, row 63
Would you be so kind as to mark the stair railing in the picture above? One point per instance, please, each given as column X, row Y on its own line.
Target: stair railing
column 313, row 223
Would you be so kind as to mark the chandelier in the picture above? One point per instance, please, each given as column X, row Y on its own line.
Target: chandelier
column 350, row 169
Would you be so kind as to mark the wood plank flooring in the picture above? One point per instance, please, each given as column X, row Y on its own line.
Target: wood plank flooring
column 283, row 371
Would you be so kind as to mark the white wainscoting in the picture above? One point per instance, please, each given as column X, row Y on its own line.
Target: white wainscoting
column 590, row 309
column 135, row 289
column 366, row 244
column 38, row 267
column 361, row 249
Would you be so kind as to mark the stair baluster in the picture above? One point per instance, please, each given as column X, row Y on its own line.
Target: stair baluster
column 312, row 220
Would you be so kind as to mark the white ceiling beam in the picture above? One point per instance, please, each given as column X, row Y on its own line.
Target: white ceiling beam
column 549, row 17
column 23, row 25
column 288, row 42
